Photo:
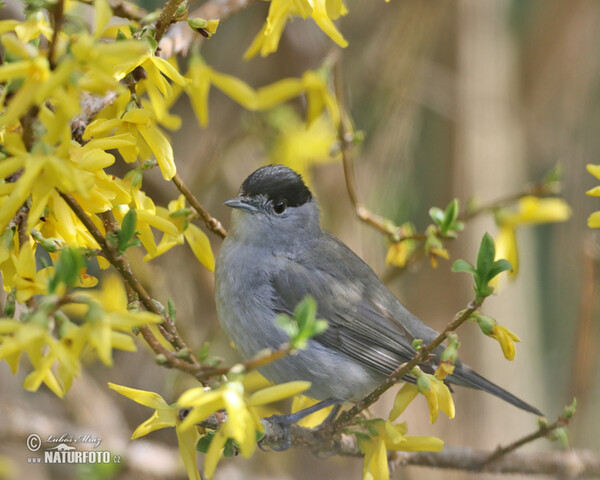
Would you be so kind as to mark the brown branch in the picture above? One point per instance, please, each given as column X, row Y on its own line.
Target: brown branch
column 57, row 20
column 123, row 9
column 166, row 18
column 568, row 463
column 259, row 360
column 542, row 431
column 347, row 417
column 121, row 263
column 346, row 141
column 211, row 222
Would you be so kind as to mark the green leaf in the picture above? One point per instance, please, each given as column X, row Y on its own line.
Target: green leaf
column 204, row 442
column 10, row 304
column 485, row 257
column 288, row 324
column 461, row 265
column 450, row 216
column 127, row 230
column 498, row 267
column 304, row 325
column 229, row 450
column 67, row 269
column 437, row 215
column 136, row 176
column 457, row 226
column 203, row 352
column 305, row 313
column 182, row 212
column 171, row 310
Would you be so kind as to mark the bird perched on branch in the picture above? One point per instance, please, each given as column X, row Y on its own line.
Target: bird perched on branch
column 274, row 256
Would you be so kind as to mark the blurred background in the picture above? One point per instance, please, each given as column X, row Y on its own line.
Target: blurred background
column 464, row 99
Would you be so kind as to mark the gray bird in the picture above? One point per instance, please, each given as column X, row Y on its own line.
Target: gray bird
column 274, row 255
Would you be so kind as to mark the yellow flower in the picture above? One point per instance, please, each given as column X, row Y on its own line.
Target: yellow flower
column 387, row 436
column 165, row 415
column 594, row 218
column 299, row 146
column 42, row 349
column 175, row 229
column 375, row 466
column 35, row 25
column 395, row 438
column 311, row 84
column 435, row 253
column 29, row 281
column 142, row 121
column 42, row 174
column 530, row 210
column 198, row 88
column 437, row 394
column 35, row 72
column 105, row 317
column 282, row 11
column 397, row 254
column 103, row 16
column 403, row 398
column 242, row 419
column 506, row 339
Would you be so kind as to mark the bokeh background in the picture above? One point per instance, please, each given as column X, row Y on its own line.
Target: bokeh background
column 464, row 99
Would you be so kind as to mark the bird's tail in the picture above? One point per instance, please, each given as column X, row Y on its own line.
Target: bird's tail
column 467, row 377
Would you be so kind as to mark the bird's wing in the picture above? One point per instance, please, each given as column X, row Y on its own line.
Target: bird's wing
column 366, row 321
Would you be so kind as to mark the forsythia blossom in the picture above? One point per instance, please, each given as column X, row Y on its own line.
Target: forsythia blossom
column 594, row 218
column 530, row 210
column 241, row 425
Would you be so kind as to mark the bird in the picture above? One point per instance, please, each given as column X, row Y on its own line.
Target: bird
column 275, row 254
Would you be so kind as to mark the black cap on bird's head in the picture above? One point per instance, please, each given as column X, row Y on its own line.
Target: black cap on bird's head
column 276, row 184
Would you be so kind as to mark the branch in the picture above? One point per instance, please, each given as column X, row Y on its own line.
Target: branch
column 57, row 19
column 262, row 358
column 347, row 417
column 542, row 431
column 120, row 262
column 123, row 9
column 346, row 139
column 568, row 463
column 211, row 222
column 166, row 18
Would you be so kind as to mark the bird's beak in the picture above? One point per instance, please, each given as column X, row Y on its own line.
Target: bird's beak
column 241, row 204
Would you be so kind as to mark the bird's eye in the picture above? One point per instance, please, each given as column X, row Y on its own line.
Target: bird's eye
column 279, row 206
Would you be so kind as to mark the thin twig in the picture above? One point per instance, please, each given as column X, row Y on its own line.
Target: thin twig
column 542, row 431
column 211, row 222
column 346, row 138
column 120, row 262
column 257, row 361
column 166, row 18
column 57, row 20
column 347, row 417
column 123, row 9
column 567, row 463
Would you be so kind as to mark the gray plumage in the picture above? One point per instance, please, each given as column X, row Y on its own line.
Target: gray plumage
column 274, row 255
